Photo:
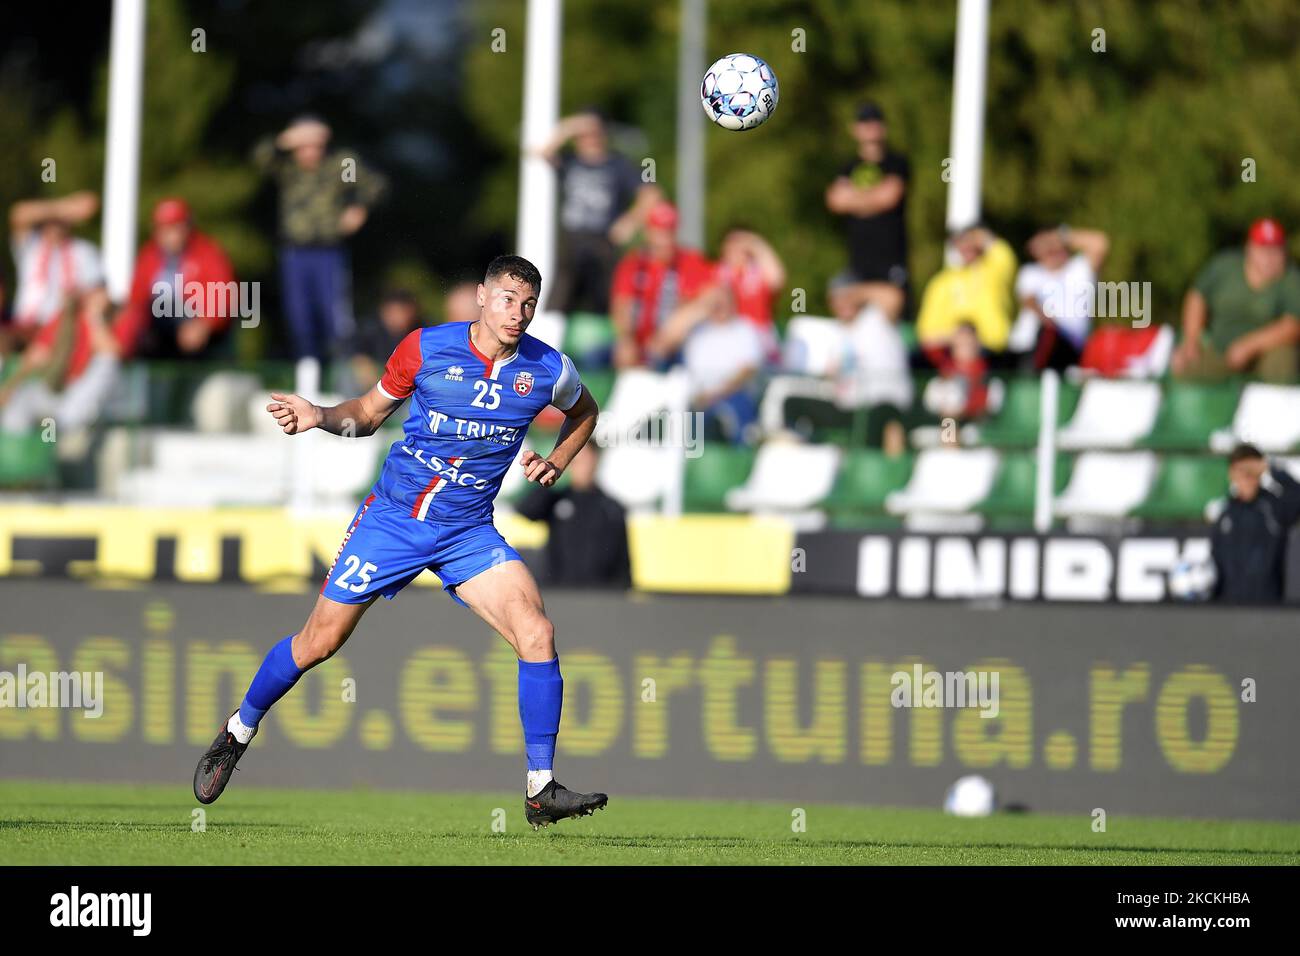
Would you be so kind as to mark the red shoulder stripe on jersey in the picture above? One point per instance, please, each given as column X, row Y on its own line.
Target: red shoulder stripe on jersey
column 403, row 365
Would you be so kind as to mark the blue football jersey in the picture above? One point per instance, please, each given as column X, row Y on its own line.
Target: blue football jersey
column 468, row 416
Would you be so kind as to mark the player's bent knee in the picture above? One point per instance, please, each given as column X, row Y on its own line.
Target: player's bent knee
column 536, row 640
column 317, row 643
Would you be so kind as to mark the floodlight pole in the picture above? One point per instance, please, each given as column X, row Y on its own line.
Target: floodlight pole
column 535, row 238
column 690, row 123
column 122, row 145
column 966, row 137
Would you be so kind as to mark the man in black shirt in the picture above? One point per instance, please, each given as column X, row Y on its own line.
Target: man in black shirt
column 373, row 342
column 602, row 203
column 871, row 194
column 587, row 541
column 1250, row 535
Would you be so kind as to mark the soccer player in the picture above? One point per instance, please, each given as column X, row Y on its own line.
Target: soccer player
column 474, row 387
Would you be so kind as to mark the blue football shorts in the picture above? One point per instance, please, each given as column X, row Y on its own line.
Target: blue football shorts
column 384, row 550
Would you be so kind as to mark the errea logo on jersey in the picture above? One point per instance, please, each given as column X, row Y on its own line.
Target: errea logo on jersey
column 455, row 374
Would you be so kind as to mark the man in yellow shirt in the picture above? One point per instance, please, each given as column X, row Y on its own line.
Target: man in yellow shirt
column 976, row 290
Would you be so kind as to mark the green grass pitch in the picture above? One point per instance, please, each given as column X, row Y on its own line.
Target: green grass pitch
column 87, row 824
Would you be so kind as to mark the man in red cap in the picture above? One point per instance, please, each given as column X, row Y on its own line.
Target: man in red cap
column 651, row 283
column 1242, row 314
column 162, row 313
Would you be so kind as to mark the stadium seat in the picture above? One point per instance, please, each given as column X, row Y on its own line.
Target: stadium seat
column 787, row 476
column 638, row 394
column 26, row 461
column 946, row 481
column 600, row 384
column 712, row 474
column 1016, row 485
column 1107, row 484
column 194, row 470
column 222, row 403
column 1268, row 416
column 637, row 475
column 1112, row 413
column 813, row 345
column 550, row 328
column 866, row 477
column 588, row 339
column 1016, row 424
column 1190, row 413
column 1183, row 487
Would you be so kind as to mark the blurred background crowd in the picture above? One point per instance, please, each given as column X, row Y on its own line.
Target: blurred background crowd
column 345, row 185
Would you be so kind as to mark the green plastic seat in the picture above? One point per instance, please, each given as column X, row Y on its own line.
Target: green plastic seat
column 599, row 383
column 865, row 477
column 1184, row 485
column 1190, row 412
column 27, row 462
column 717, row 470
column 587, row 335
column 1016, row 423
column 1016, row 482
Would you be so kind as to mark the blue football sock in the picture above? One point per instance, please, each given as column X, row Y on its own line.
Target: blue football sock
column 273, row 680
column 541, row 696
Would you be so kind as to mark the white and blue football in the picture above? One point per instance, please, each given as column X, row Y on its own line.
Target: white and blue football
column 739, row 91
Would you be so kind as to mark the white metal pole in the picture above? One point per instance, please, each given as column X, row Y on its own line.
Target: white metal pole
column 122, row 144
column 1045, row 473
column 536, row 218
column 690, row 123
column 966, row 138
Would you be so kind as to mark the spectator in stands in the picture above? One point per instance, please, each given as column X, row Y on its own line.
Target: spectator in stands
column 68, row 371
column 325, row 197
column 462, row 303
column 1242, row 314
column 722, row 352
column 961, row 391
column 603, row 202
column 51, row 264
column 871, row 194
column 399, row 315
column 1250, row 536
column 650, row 283
column 171, row 323
column 586, row 544
column 755, row 272
column 1057, row 292
column 976, row 289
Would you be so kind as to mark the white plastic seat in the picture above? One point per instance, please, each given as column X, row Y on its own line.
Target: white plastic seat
column 637, row 475
column 786, row 476
column 946, row 481
column 549, row 327
column 1112, row 413
column 1268, row 416
column 223, row 402
column 1107, row 484
column 639, row 393
column 813, row 345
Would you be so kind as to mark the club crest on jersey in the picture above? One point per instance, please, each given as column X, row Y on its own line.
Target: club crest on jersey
column 523, row 383
column 455, row 374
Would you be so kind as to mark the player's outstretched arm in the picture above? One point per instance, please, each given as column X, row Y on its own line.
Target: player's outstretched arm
column 354, row 418
column 579, row 423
